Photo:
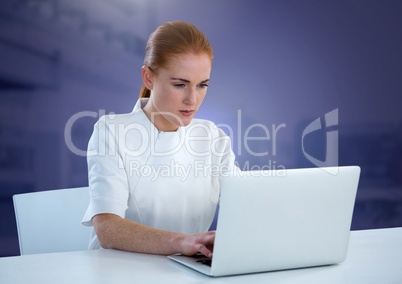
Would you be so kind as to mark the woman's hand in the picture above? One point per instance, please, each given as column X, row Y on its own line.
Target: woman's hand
column 117, row 233
column 197, row 243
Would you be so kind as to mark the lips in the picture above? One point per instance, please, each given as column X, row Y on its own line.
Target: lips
column 186, row 112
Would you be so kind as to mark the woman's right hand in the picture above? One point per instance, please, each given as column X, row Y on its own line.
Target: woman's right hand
column 196, row 243
column 115, row 232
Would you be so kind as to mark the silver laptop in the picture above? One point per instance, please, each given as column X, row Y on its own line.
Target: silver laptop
column 284, row 219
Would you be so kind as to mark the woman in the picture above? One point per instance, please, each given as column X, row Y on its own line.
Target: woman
column 154, row 173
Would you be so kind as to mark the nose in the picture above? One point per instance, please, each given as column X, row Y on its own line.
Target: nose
column 191, row 97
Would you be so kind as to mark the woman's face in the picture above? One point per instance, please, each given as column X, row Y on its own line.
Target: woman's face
column 177, row 91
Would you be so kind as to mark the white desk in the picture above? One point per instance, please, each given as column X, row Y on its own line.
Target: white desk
column 375, row 256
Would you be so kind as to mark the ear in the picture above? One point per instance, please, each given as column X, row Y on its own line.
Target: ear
column 147, row 77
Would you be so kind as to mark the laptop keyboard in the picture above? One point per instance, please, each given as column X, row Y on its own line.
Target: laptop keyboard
column 205, row 262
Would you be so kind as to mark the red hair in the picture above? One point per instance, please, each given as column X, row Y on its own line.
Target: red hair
column 172, row 39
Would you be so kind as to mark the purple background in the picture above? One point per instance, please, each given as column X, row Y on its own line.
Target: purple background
column 277, row 62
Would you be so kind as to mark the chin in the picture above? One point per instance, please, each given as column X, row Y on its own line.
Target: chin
column 186, row 122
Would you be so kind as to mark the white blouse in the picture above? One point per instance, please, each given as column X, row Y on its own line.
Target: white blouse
column 166, row 180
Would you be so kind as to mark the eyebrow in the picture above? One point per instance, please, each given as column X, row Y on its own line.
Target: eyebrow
column 187, row 81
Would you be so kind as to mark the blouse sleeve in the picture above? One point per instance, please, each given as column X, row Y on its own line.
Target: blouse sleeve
column 108, row 184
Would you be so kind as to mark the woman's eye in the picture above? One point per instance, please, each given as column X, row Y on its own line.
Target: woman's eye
column 179, row 85
column 203, row 85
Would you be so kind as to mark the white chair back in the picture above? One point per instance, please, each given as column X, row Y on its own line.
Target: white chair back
column 50, row 221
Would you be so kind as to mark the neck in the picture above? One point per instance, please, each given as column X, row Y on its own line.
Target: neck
column 158, row 120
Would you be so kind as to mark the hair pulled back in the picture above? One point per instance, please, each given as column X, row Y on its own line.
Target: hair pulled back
column 172, row 39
